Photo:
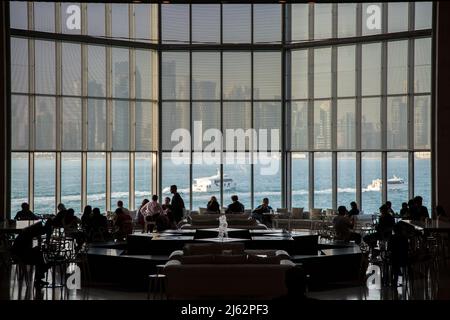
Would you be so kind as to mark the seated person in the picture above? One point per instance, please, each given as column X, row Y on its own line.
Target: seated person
column 383, row 229
column 123, row 224
column 235, row 206
column 70, row 225
column 354, row 211
column 151, row 211
column 259, row 215
column 86, row 217
column 343, row 225
column 418, row 211
column 23, row 251
column 404, row 212
column 99, row 225
column 120, row 205
column 213, row 205
column 25, row 213
column 390, row 210
column 140, row 215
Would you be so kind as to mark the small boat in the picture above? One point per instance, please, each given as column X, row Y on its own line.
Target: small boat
column 212, row 183
column 376, row 184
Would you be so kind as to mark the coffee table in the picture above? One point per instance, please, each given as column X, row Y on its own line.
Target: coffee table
column 219, row 240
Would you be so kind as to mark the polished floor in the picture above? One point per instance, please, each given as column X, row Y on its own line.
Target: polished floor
column 13, row 289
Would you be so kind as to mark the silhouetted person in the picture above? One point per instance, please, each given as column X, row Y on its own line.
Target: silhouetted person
column 259, row 213
column 23, row 251
column 404, row 211
column 177, row 205
column 151, row 212
column 384, row 227
column 235, row 206
column 58, row 220
column 140, row 215
column 389, row 206
column 123, row 224
column 421, row 212
column 343, row 225
column 86, row 218
column 166, row 205
column 213, row 205
column 120, row 205
column 354, row 211
column 25, row 213
column 398, row 247
column 99, row 225
column 70, row 225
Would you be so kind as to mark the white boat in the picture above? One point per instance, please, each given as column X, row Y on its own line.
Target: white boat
column 212, row 183
column 377, row 183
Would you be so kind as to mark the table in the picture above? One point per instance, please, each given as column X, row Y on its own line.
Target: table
column 173, row 238
column 220, row 240
column 433, row 226
column 270, row 237
column 17, row 226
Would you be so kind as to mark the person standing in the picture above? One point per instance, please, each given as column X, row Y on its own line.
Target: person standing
column 177, row 205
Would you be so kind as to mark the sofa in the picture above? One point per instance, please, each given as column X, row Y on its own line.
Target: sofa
column 211, row 220
column 226, row 271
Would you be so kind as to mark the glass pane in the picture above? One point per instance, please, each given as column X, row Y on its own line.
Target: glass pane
column 18, row 15
column 237, row 168
column 267, row 75
column 175, row 75
column 371, row 69
column 322, row 180
column 267, row 168
column 45, row 68
column 299, row 74
column 205, row 75
column 322, row 73
column 346, row 20
column 142, row 177
column 19, row 123
column 175, row 23
column 206, row 180
column 71, row 181
column 371, row 19
column 45, row 123
column 423, row 15
column 96, row 71
column 346, row 178
column 397, row 122
column 175, row 118
column 96, row 124
column 398, row 16
column 371, row 181
column 422, row 177
column 19, row 181
column 346, row 124
column 266, row 23
column 120, row 176
column 299, row 125
column 71, row 124
column 19, row 65
column 71, row 69
column 299, row 21
column 422, row 122
column 422, row 65
column 236, row 23
column 119, row 23
column 236, row 117
column 397, row 67
column 144, row 128
column 176, row 171
column 96, row 19
column 322, row 20
column 346, row 71
column 71, row 18
column 322, row 124
column 144, row 14
column 120, row 73
column 300, row 180
column 236, row 75
column 96, row 180
column 206, row 23
column 120, row 125
column 267, row 122
column 44, row 183
column 397, row 174
column 206, row 115
column 371, row 123
column 44, row 16
column 146, row 77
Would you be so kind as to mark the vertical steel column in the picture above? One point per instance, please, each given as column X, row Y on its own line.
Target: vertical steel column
column 384, row 58
column 84, row 108
column 32, row 106
column 190, row 112
column 58, row 105
column 410, row 103
column 132, row 109
column 285, row 189
column 334, row 59
column 159, row 167
column 358, row 113
column 252, row 143
column 287, row 38
column 222, row 156
column 311, row 108
column 109, row 109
